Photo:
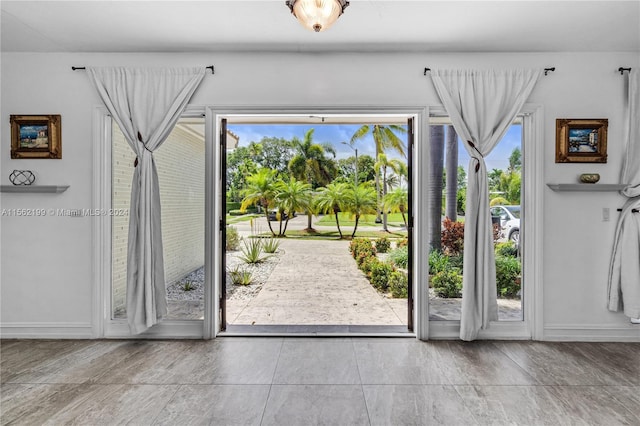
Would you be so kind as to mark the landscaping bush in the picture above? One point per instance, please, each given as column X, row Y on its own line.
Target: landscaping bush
column 402, row 243
column 508, row 270
column 398, row 284
column 361, row 245
column 452, row 237
column 507, row 249
column 456, row 262
column 438, row 262
column 383, row 245
column 367, row 264
column 231, row 205
column 237, row 212
column 400, row 257
column 233, row 239
column 447, row 283
column 380, row 275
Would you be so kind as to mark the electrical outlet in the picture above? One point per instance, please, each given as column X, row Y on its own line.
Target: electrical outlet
column 605, row 214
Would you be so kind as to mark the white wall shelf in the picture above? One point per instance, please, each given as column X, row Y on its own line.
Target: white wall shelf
column 591, row 187
column 34, row 189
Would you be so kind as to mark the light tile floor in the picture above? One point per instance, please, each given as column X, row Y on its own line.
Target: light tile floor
column 309, row 381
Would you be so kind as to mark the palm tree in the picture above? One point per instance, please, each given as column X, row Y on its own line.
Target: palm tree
column 260, row 190
column 384, row 137
column 311, row 165
column 381, row 165
column 291, row 196
column 451, row 191
column 397, row 201
column 435, row 185
column 360, row 200
column 331, row 199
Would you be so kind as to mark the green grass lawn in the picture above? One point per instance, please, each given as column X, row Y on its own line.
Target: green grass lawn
column 244, row 218
column 393, row 219
column 334, row 235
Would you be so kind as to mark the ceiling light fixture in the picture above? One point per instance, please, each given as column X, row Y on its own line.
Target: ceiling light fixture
column 317, row 15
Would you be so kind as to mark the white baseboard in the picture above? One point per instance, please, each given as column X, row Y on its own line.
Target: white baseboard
column 592, row 333
column 49, row 330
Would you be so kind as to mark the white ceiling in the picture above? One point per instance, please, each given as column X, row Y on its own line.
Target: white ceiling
column 367, row 25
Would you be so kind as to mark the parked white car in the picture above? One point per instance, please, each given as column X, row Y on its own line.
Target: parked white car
column 509, row 217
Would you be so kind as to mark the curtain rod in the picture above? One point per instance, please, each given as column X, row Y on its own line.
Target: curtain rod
column 622, row 70
column 632, row 210
column 546, row 70
column 210, row 67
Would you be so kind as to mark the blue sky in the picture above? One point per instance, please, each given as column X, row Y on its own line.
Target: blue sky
column 337, row 133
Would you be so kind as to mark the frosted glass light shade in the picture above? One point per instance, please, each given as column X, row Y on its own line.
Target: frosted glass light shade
column 317, row 15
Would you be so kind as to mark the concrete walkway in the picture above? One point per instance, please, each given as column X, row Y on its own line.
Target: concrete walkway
column 317, row 282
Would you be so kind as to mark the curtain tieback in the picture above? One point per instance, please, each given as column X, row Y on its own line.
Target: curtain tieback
column 472, row 145
column 135, row 163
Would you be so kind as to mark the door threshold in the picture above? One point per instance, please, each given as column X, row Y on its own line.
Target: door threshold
column 317, row 330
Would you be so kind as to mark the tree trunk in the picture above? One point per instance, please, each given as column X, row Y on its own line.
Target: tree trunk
column 355, row 227
column 385, row 217
column 336, row 212
column 309, row 220
column 435, row 186
column 378, row 218
column 452, row 174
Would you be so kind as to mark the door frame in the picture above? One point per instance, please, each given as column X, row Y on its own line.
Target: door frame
column 214, row 116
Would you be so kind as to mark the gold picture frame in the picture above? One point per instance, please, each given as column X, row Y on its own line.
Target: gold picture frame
column 581, row 140
column 36, row 136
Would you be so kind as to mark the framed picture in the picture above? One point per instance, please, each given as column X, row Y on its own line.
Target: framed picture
column 581, row 141
column 36, row 136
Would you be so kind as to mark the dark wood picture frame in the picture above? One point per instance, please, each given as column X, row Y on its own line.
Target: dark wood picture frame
column 581, row 140
column 36, row 136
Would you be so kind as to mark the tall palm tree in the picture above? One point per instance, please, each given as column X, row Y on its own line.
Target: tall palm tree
column 260, row 190
column 291, row 196
column 383, row 164
column 435, row 185
column 310, row 164
column 451, row 165
column 332, row 199
column 384, row 137
column 360, row 200
column 397, row 201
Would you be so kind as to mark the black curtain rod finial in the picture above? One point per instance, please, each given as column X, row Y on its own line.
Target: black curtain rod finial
column 210, row 67
column 547, row 70
column 426, row 70
column 622, row 70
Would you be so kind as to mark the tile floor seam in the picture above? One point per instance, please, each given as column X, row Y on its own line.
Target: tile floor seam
column 266, row 401
column 493, row 345
column 153, row 421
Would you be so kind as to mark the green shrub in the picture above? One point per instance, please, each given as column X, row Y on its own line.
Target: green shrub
column 398, row 284
column 438, row 262
column 367, row 264
column 402, row 243
column 507, row 272
column 447, row 283
column 380, row 275
column 231, row 205
column 383, row 245
column 187, row 286
column 400, row 257
column 507, row 249
column 252, row 251
column 233, row 239
column 240, row 276
column 237, row 212
column 457, row 262
column 361, row 245
column 271, row 245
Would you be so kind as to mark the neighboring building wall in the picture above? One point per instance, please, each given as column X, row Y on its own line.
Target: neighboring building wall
column 180, row 166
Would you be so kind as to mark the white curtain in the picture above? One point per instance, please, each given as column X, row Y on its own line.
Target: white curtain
column 482, row 106
column 624, row 271
column 146, row 103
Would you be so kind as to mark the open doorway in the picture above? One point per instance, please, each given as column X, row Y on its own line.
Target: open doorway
column 316, row 221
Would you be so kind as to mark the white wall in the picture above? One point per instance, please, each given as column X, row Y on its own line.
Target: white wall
column 46, row 262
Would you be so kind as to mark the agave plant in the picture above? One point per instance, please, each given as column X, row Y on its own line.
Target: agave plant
column 271, row 245
column 240, row 276
column 252, row 251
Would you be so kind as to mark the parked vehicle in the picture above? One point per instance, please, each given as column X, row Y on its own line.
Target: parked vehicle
column 274, row 215
column 509, row 220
